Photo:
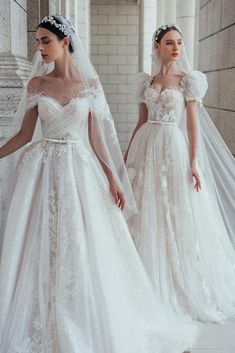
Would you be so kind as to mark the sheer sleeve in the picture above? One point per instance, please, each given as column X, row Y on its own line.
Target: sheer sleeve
column 32, row 93
column 194, row 86
column 143, row 81
column 106, row 146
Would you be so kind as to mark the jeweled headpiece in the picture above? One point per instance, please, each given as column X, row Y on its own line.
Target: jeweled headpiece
column 164, row 28
column 61, row 27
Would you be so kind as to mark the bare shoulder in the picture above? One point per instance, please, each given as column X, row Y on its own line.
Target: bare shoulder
column 34, row 84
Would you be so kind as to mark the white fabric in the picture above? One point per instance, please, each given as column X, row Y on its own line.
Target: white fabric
column 217, row 162
column 180, row 234
column 102, row 128
column 71, row 279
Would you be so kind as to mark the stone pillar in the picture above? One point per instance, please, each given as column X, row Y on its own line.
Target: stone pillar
column 78, row 12
column 14, row 69
column 148, row 19
column 33, row 19
column 170, row 11
column 82, row 21
column 160, row 13
column 185, row 18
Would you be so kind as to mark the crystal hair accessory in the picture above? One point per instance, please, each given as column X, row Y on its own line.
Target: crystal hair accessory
column 61, row 27
column 164, row 28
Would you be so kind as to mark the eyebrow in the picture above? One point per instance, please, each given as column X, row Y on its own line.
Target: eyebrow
column 172, row 40
column 45, row 37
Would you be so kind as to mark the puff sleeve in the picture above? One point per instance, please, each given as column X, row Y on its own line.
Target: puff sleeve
column 143, row 81
column 194, row 86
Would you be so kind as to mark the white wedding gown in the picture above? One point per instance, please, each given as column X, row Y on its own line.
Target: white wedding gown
column 71, row 279
column 179, row 233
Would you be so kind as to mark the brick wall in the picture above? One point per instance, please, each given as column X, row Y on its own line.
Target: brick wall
column 114, row 52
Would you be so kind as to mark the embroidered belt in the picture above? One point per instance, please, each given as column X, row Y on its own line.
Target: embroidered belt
column 161, row 122
column 61, row 140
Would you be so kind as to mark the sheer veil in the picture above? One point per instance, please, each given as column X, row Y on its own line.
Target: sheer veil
column 103, row 133
column 216, row 161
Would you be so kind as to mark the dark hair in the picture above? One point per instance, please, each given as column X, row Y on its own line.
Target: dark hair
column 50, row 27
column 163, row 30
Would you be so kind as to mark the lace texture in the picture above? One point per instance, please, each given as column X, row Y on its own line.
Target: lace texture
column 185, row 250
column 71, row 279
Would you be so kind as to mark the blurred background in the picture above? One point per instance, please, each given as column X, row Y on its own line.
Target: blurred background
column 117, row 35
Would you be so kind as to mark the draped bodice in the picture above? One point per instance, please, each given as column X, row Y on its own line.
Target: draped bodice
column 63, row 122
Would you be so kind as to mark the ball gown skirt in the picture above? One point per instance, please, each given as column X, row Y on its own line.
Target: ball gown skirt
column 71, row 279
column 179, row 233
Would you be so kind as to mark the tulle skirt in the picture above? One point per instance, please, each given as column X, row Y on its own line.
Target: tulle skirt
column 71, row 279
column 179, row 232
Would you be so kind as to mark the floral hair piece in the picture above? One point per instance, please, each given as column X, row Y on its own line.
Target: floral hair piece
column 61, row 27
column 164, row 28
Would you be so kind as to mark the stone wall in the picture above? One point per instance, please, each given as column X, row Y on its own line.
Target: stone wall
column 14, row 69
column 217, row 60
column 114, row 52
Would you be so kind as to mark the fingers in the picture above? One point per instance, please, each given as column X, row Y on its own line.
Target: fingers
column 198, row 185
column 121, row 200
column 118, row 197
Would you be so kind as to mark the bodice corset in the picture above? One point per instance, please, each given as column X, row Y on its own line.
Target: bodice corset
column 63, row 122
column 166, row 106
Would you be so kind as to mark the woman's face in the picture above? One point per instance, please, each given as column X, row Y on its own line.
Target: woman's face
column 170, row 46
column 49, row 45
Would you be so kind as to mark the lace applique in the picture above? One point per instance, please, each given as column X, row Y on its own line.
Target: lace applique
column 49, row 148
column 164, row 106
column 61, row 95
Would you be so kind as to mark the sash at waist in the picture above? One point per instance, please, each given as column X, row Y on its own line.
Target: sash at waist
column 61, row 140
column 161, row 122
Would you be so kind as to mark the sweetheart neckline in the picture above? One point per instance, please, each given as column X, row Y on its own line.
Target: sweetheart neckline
column 178, row 89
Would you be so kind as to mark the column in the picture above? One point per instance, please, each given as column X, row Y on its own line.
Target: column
column 14, row 69
column 185, row 18
column 148, row 18
column 170, row 11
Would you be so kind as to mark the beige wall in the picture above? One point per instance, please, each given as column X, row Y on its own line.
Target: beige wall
column 217, row 60
column 114, row 52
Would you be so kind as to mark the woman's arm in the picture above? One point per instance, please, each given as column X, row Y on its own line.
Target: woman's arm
column 192, row 129
column 114, row 188
column 143, row 117
column 23, row 136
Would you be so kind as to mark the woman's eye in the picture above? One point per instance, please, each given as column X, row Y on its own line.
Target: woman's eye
column 46, row 41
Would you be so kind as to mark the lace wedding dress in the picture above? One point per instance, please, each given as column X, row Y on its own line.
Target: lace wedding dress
column 71, row 279
column 179, row 233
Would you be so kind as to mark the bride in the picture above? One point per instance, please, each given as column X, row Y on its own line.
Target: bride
column 184, row 230
column 70, row 277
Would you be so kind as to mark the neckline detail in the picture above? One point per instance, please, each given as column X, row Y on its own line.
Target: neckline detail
column 56, row 102
column 176, row 88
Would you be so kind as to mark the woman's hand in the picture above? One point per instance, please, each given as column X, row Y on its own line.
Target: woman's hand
column 194, row 175
column 117, row 194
